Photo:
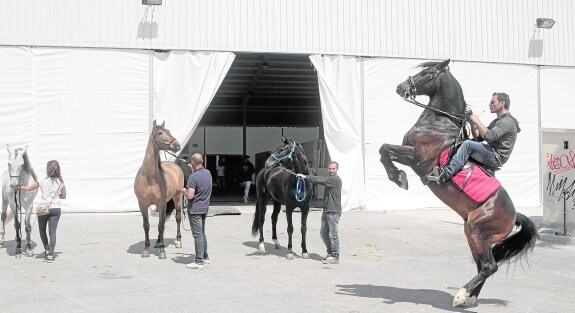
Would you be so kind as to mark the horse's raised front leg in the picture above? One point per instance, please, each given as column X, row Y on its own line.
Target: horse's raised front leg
column 275, row 214
column 161, row 228
column 394, row 153
column 304, row 213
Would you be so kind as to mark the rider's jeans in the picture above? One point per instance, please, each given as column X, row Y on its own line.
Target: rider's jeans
column 480, row 152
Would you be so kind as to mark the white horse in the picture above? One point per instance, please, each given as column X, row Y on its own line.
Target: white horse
column 19, row 173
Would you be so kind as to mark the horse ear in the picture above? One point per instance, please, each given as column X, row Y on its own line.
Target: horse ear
column 163, row 124
column 444, row 63
column 24, row 149
column 155, row 124
column 8, row 148
column 285, row 140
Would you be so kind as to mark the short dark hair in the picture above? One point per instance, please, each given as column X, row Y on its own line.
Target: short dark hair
column 501, row 96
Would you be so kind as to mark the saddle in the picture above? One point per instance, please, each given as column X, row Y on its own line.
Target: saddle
column 476, row 180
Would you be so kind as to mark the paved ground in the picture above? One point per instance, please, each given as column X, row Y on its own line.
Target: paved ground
column 391, row 262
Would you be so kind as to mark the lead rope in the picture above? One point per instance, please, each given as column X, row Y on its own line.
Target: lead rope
column 300, row 184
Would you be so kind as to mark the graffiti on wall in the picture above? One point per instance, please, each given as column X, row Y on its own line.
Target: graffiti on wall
column 560, row 185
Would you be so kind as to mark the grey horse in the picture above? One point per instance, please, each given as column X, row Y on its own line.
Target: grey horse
column 19, row 173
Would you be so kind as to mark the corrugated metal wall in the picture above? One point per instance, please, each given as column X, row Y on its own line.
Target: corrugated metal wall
column 478, row 30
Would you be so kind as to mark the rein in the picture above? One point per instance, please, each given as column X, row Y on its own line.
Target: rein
column 300, row 186
column 177, row 157
column 458, row 117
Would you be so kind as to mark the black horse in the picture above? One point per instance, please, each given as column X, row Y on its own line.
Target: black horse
column 488, row 224
column 278, row 180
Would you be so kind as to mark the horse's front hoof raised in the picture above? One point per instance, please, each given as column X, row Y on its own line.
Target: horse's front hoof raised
column 402, row 180
column 289, row 256
column 305, row 256
column 262, row 248
column 162, row 255
column 462, row 299
column 29, row 253
column 178, row 244
column 146, row 254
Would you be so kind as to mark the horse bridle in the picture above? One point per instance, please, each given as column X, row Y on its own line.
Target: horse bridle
column 411, row 93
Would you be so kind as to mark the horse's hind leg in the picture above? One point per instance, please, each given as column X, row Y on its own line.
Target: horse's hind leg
column 161, row 228
column 275, row 214
column 178, row 203
column 304, row 213
column 3, row 227
column 29, row 251
column 401, row 154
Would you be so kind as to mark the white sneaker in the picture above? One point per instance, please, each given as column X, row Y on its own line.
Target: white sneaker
column 195, row 266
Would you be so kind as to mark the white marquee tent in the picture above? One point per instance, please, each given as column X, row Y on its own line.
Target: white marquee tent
column 91, row 109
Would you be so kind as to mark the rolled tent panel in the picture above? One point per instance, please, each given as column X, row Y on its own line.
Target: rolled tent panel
column 92, row 109
column 341, row 93
column 185, row 83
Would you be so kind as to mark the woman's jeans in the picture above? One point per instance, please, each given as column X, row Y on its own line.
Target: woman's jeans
column 50, row 220
column 198, row 224
column 480, row 152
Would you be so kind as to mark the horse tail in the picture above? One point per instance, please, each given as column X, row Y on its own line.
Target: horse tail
column 170, row 206
column 256, row 222
column 518, row 244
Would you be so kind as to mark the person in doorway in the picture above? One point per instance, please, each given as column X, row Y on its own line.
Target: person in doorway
column 199, row 191
column 248, row 170
column 53, row 190
column 331, row 211
column 221, row 170
column 500, row 136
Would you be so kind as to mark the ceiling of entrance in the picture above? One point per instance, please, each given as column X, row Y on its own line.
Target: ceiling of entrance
column 267, row 90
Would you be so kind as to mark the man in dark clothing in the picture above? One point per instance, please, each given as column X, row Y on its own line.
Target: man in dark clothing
column 248, row 170
column 500, row 136
column 199, row 190
column 331, row 211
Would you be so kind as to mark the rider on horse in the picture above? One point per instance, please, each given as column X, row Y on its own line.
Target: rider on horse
column 500, row 136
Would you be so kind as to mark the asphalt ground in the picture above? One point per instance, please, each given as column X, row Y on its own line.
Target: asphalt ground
column 411, row 261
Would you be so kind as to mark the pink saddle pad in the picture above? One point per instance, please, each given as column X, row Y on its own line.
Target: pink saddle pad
column 479, row 187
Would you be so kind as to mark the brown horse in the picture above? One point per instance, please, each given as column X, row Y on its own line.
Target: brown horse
column 159, row 183
column 487, row 225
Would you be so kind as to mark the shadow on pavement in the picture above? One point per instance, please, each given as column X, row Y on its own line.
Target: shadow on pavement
column 435, row 298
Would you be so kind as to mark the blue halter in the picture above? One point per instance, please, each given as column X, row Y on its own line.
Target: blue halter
column 287, row 155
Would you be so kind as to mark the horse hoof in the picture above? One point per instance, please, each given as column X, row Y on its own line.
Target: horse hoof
column 305, row 256
column 461, row 298
column 262, row 248
column 146, row 254
column 289, row 256
column 30, row 253
column 277, row 244
column 162, row 255
column 178, row 244
column 403, row 184
column 18, row 251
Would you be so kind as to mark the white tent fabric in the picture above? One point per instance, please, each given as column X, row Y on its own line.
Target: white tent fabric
column 90, row 110
column 556, row 98
column 386, row 118
column 341, row 92
column 184, row 85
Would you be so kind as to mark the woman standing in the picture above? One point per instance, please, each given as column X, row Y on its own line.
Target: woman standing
column 53, row 189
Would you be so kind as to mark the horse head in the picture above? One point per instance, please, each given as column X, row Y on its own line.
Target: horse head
column 289, row 155
column 425, row 82
column 17, row 164
column 163, row 139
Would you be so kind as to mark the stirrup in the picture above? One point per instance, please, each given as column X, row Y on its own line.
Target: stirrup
column 435, row 174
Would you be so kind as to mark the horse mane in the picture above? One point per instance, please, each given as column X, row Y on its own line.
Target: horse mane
column 28, row 166
column 302, row 164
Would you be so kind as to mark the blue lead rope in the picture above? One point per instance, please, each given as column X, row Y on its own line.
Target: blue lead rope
column 300, row 184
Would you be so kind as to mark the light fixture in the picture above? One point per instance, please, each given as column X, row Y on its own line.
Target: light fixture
column 546, row 23
column 152, row 2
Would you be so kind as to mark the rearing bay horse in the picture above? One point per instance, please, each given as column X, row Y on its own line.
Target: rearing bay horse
column 278, row 180
column 488, row 224
column 159, row 183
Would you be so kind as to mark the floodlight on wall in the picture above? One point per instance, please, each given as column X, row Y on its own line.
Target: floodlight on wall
column 546, row 23
column 152, row 2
